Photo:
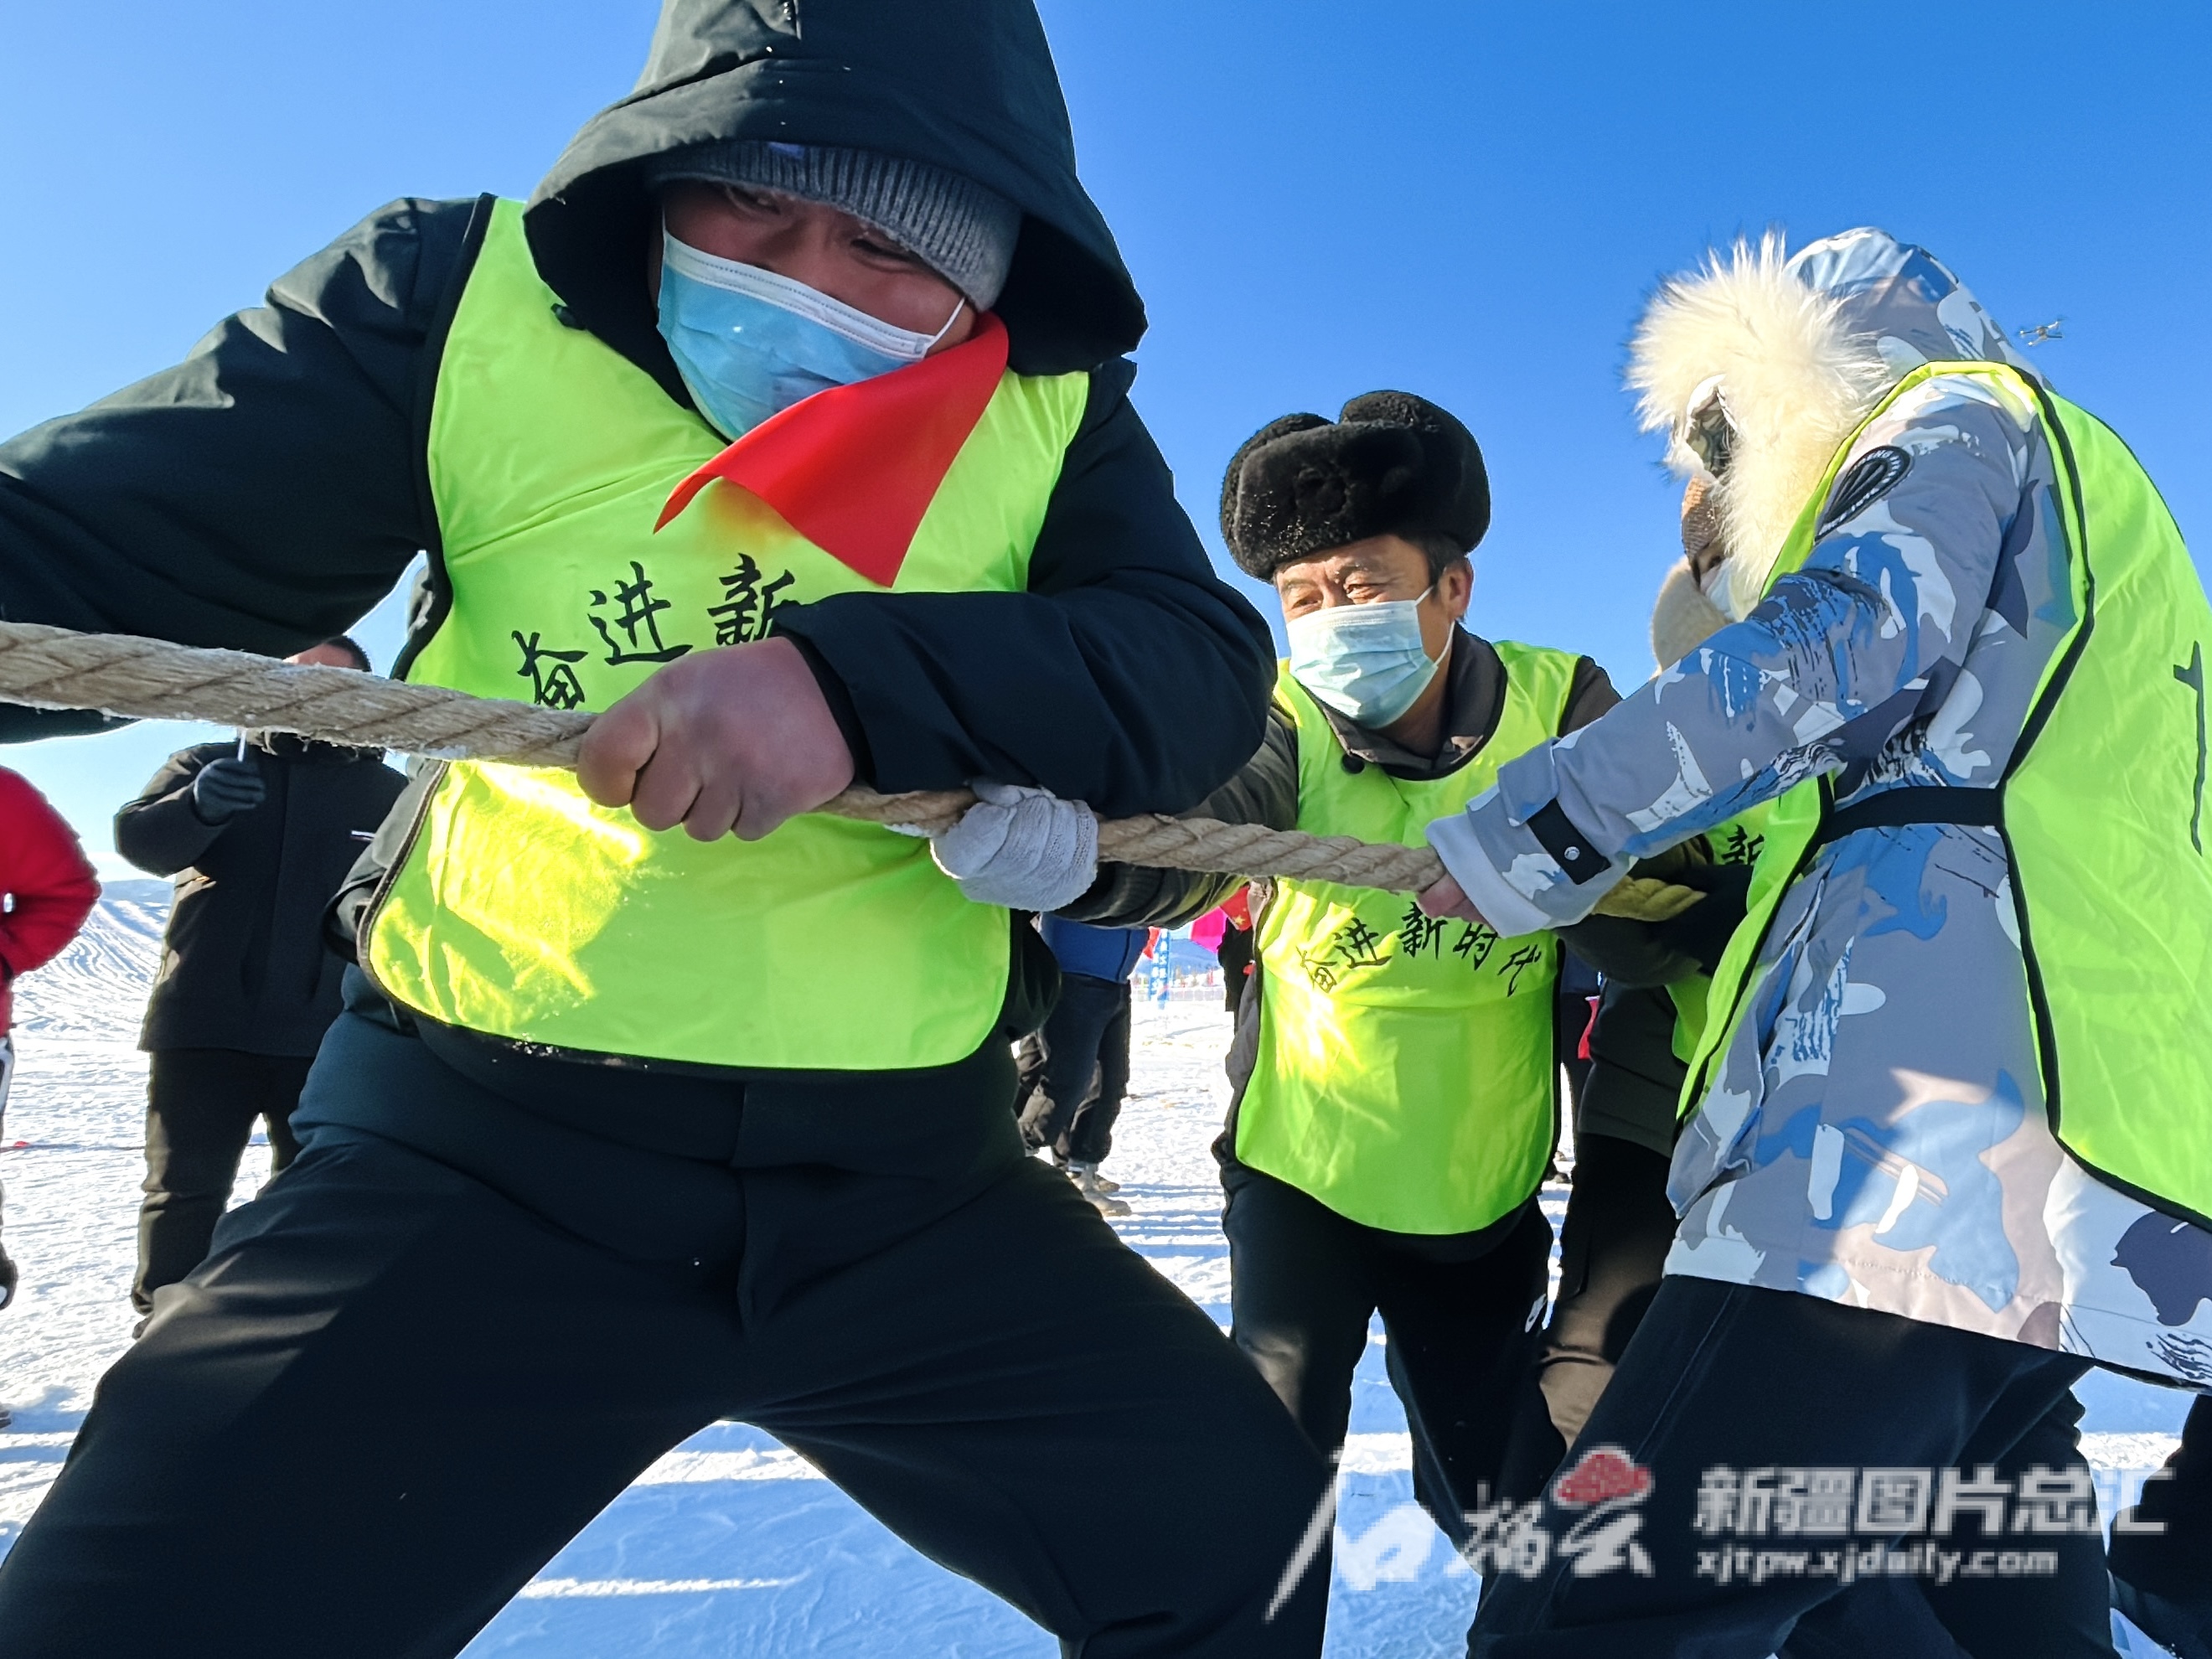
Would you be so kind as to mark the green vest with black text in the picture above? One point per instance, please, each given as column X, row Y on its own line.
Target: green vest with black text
column 1739, row 841
column 2102, row 812
column 1406, row 1073
column 519, row 907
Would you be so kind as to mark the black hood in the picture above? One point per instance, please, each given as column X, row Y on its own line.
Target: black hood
column 965, row 85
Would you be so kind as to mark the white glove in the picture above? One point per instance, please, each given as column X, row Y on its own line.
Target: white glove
column 1023, row 848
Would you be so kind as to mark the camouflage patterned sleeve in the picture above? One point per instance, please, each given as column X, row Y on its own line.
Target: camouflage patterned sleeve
column 1865, row 642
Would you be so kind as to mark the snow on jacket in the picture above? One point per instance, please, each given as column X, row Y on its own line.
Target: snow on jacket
column 48, row 885
column 1107, row 953
column 244, row 964
column 1875, row 1133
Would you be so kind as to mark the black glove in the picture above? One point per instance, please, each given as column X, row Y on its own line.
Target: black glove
column 7, row 1279
column 222, row 789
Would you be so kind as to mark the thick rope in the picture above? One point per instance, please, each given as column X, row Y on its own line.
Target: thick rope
column 152, row 679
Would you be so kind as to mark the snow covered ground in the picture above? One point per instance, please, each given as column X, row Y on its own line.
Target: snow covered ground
column 730, row 1545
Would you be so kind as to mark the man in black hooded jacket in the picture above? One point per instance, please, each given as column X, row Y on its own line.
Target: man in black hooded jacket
column 595, row 1154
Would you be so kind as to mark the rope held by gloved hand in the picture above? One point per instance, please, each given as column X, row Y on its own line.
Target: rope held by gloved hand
column 152, row 679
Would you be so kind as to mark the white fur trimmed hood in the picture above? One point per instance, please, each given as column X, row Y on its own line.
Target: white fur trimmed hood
column 1799, row 348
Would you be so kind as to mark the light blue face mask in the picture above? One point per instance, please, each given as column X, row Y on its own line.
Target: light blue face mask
column 750, row 343
column 1365, row 661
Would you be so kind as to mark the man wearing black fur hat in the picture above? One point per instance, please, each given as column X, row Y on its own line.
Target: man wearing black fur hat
column 1395, row 1077
column 786, row 425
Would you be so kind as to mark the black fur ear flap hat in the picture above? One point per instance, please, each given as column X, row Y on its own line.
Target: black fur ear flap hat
column 1391, row 463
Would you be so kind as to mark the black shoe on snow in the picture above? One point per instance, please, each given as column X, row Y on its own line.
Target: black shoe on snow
column 2182, row 1628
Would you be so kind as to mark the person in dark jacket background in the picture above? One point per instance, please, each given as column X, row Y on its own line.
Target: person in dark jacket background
column 47, row 890
column 1086, row 1041
column 597, row 1152
column 259, row 844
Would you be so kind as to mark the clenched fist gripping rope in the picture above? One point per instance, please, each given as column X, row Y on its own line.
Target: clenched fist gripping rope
column 47, row 667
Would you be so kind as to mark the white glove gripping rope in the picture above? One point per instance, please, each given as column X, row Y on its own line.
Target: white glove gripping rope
column 1024, row 848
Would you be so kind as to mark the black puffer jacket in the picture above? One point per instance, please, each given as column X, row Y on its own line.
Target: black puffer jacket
column 243, row 965
column 267, row 491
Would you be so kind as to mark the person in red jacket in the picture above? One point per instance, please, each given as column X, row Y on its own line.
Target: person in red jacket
column 47, row 890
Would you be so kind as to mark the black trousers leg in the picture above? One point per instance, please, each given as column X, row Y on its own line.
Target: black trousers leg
column 2176, row 1563
column 1613, row 1249
column 1091, row 1138
column 283, row 1078
column 1100, row 1457
column 1462, row 1335
column 363, row 1424
column 393, row 1392
column 2161, row 1548
column 2065, row 1612
column 1980, row 1616
column 1071, row 1037
column 1300, row 1296
column 200, row 1108
column 1728, row 1378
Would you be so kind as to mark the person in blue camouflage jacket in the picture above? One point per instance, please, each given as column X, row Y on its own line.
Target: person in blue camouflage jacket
column 1885, row 1257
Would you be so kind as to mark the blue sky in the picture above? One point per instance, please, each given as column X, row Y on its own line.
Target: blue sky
column 1462, row 199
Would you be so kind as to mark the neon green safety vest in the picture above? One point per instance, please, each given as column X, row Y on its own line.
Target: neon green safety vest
column 2102, row 812
column 1738, row 841
column 1406, row 1074
column 520, row 909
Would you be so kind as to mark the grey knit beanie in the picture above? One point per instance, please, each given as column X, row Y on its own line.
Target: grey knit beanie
column 961, row 230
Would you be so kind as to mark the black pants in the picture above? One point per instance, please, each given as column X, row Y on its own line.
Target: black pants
column 1613, row 1249
column 201, row 1104
column 1303, row 1281
column 1235, row 959
column 1725, row 1380
column 2175, row 1564
column 409, row 1373
column 1086, row 1043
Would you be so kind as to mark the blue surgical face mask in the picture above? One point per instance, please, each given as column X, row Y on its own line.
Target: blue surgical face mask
column 1365, row 661
column 750, row 343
